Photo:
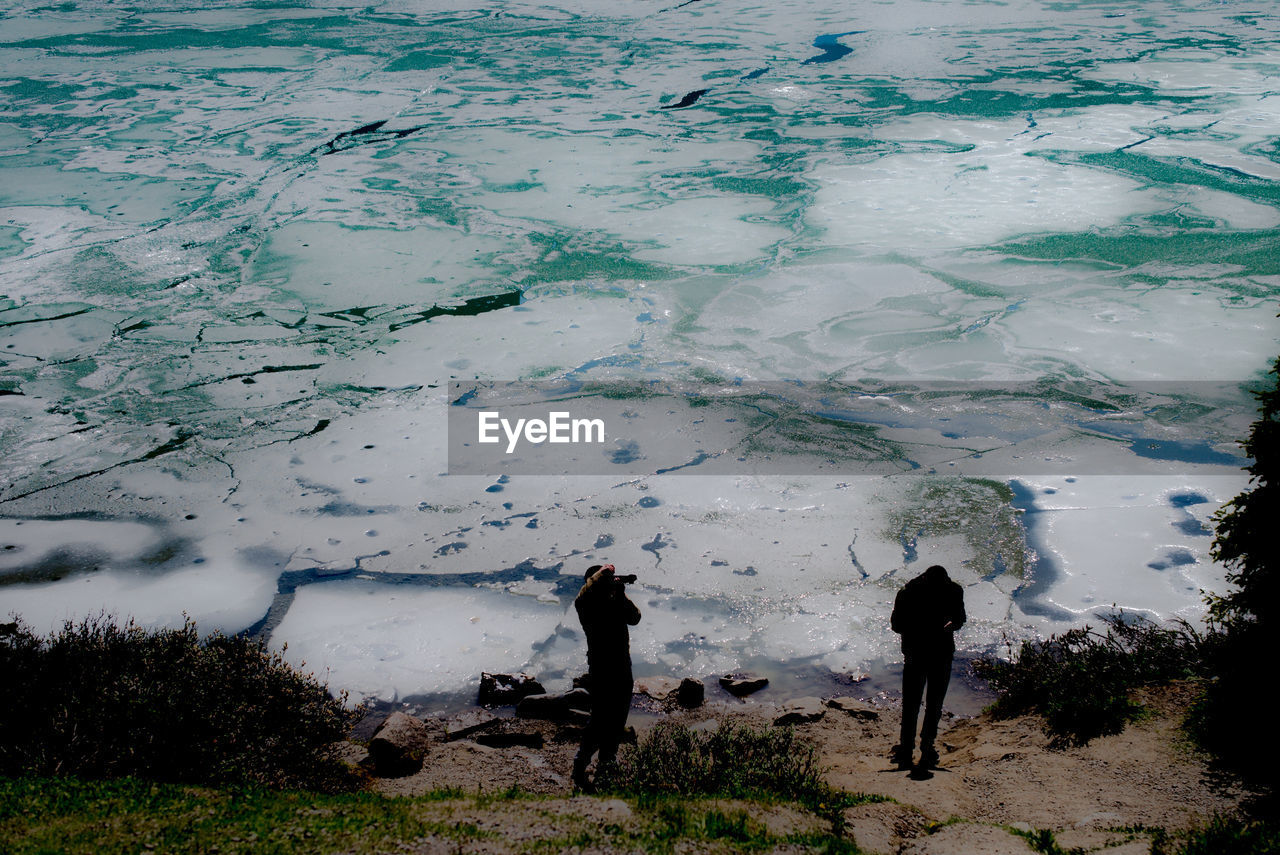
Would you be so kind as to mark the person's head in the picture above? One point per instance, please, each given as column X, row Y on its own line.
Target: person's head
column 935, row 574
column 598, row 568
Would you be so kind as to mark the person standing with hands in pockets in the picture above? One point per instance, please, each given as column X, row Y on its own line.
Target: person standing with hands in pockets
column 926, row 613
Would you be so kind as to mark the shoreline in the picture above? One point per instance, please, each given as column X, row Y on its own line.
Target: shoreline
column 996, row 777
column 967, row 695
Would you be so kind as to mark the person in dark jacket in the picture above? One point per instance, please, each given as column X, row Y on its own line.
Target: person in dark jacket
column 606, row 613
column 926, row 613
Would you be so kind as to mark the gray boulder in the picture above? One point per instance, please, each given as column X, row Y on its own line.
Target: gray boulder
column 501, row 689
column 741, row 685
column 690, row 693
column 800, row 711
column 398, row 746
column 351, row 754
column 578, row 699
column 469, row 724
column 554, row 707
column 855, row 707
column 658, row 688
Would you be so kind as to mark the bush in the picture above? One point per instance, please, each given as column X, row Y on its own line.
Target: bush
column 733, row 761
column 1223, row 835
column 101, row 700
column 1080, row 680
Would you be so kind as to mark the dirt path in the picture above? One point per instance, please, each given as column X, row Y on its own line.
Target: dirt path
column 1005, row 772
column 993, row 774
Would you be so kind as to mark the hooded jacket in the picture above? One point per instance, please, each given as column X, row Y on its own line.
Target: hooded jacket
column 922, row 610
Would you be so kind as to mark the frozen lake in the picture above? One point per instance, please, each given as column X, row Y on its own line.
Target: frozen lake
column 856, row 287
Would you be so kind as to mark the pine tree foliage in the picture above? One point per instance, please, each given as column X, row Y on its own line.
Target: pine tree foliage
column 1247, row 539
column 1235, row 720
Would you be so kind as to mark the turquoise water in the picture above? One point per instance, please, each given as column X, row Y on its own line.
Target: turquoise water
column 244, row 248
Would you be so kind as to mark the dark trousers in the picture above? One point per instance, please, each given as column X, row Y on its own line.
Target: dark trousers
column 933, row 671
column 610, row 705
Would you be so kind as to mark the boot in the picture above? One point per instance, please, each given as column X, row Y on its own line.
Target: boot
column 928, row 757
column 900, row 756
column 606, row 772
column 580, row 779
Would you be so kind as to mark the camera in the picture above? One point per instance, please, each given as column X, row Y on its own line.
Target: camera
column 625, row 580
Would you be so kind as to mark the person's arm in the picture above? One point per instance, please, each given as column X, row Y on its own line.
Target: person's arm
column 628, row 609
column 897, row 620
column 592, row 601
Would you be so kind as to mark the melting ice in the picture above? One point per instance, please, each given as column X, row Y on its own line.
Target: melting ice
column 245, row 250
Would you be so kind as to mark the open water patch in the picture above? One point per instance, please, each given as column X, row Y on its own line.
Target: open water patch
column 831, row 47
column 1173, row 558
column 1042, row 570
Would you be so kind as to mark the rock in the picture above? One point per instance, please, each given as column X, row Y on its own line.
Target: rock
column 469, row 724
column 521, row 738
column 576, row 718
column 502, row 689
column 1113, row 842
column 855, row 707
column 614, row 809
column 554, row 707
column 800, row 711
column 882, row 827
column 690, row 693
column 1141, row 846
column 542, row 705
column 578, row 699
column 741, row 685
column 351, row 754
column 398, row 746
column 965, row 838
column 658, row 688
column 1101, row 819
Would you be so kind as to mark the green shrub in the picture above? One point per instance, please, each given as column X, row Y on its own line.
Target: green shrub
column 734, row 760
column 100, row 700
column 1080, row 680
column 1222, row 836
column 735, row 826
column 1043, row 841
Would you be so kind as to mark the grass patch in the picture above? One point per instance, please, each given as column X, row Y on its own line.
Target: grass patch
column 1043, row 841
column 670, row 823
column 733, row 761
column 128, row 815
column 100, row 700
column 1080, row 680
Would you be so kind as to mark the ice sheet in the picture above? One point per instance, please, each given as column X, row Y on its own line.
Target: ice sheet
column 244, row 251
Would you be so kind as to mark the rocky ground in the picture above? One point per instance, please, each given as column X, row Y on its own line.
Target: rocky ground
column 996, row 777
